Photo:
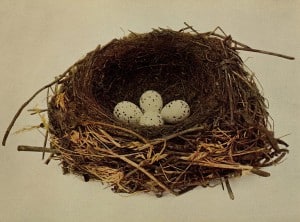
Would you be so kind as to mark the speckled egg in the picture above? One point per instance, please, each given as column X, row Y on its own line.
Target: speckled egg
column 151, row 101
column 151, row 119
column 128, row 112
column 175, row 111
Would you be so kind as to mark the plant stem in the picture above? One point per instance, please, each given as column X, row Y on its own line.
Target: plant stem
column 36, row 149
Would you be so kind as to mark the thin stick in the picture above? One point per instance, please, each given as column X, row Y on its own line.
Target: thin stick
column 243, row 47
column 224, row 37
column 36, row 149
column 26, row 103
column 260, row 172
column 120, row 128
column 57, row 80
column 49, row 158
column 213, row 33
column 45, row 143
column 191, row 27
column 47, row 128
column 264, row 52
column 169, row 137
column 224, row 166
column 231, row 195
column 182, row 133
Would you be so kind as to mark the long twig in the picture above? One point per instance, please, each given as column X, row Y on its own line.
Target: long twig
column 169, row 137
column 47, row 128
column 223, row 165
column 264, row 52
column 119, row 128
column 243, row 47
column 27, row 102
column 36, row 149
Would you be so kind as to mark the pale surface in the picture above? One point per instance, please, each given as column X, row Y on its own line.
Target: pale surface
column 40, row 39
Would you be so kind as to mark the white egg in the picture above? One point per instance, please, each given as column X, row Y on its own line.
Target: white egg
column 128, row 112
column 151, row 119
column 151, row 101
column 175, row 111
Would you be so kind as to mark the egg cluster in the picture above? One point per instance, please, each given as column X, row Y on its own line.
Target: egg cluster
column 152, row 112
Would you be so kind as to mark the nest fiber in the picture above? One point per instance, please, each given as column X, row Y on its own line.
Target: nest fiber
column 227, row 133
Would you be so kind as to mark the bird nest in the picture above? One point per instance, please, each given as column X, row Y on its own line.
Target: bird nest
column 226, row 134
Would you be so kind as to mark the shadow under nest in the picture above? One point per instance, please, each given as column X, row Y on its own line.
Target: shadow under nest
column 226, row 134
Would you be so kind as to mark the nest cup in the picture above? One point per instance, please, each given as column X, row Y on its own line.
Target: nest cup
column 226, row 134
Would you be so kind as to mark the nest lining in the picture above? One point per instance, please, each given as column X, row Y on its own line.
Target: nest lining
column 227, row 133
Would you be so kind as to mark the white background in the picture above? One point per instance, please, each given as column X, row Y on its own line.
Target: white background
column 40, row 39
